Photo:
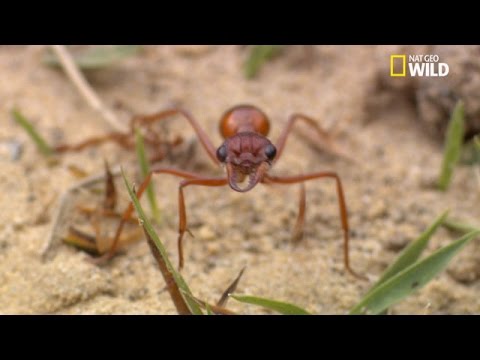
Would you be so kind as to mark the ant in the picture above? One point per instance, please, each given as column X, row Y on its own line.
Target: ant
column 157, row 143
column 247, row 154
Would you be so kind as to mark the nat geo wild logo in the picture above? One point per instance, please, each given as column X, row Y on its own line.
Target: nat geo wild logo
column 418, row 65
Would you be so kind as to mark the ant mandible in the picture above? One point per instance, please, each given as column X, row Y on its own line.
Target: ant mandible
column 247, row 154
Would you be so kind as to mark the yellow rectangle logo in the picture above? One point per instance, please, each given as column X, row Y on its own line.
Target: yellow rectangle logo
column 404, row 65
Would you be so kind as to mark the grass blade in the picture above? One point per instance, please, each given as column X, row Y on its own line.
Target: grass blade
column 230, row 289
column 212, row 309
column 411, row 253
column 208, row 309
column 278, row 306
column 97, row 57
column 410, row 279
column 453, row 145
column 259, row 54
column 42, row 145
column 172, row 286
column 145, row 169
column 161, row 255
column 459, row 226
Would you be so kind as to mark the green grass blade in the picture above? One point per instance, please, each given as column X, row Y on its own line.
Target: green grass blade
column 411, row 253
column 42, row 145
column 182, row 285
column 214, row 309
column 410, row 279
column 208, row 309
column 145, row 169
column 459, row 226
column 278, row 306
column 453, row 145
column 96, row 57
column 259, row 54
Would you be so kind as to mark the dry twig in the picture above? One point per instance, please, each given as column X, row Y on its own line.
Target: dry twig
column 85, row 89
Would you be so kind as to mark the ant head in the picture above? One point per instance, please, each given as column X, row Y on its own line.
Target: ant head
column 246, row 154
column 242, row 118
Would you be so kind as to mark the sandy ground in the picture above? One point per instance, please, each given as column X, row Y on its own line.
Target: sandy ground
column 389, row 190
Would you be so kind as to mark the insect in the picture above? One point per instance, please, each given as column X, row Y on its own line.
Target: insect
column 103, row 213
column 154, row 139
column 247, row 155
column 158, row 147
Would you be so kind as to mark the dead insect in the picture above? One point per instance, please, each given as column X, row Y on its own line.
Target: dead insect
column 99, row 243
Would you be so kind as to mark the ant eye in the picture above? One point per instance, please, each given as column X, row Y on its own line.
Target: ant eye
column 270, row 151
column 222, row 153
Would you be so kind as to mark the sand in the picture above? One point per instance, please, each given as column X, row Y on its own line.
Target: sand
column 388, row 189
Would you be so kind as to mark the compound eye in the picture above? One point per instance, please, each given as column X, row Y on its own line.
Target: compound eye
column 222, row 153
column 270, row 151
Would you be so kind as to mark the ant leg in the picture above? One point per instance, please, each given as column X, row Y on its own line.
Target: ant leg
column 341, row 204
column 120, row 138
column 123, row 139
column 202, row 135
column 182, row 224
column 128, row 212
column 322, row 133
column 300, row 224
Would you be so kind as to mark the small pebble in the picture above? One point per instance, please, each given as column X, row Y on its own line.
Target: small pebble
column 396, row 241
column 11, row 149
column 464, row 272
column 401, row 236
column 376, row 210
column 213, row 248
column 206, row 233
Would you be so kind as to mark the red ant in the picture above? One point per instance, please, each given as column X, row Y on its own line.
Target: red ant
column 246, row 153
column 154, row 140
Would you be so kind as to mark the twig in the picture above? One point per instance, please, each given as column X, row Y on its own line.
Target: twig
column 84, row 88
column 63, row 202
